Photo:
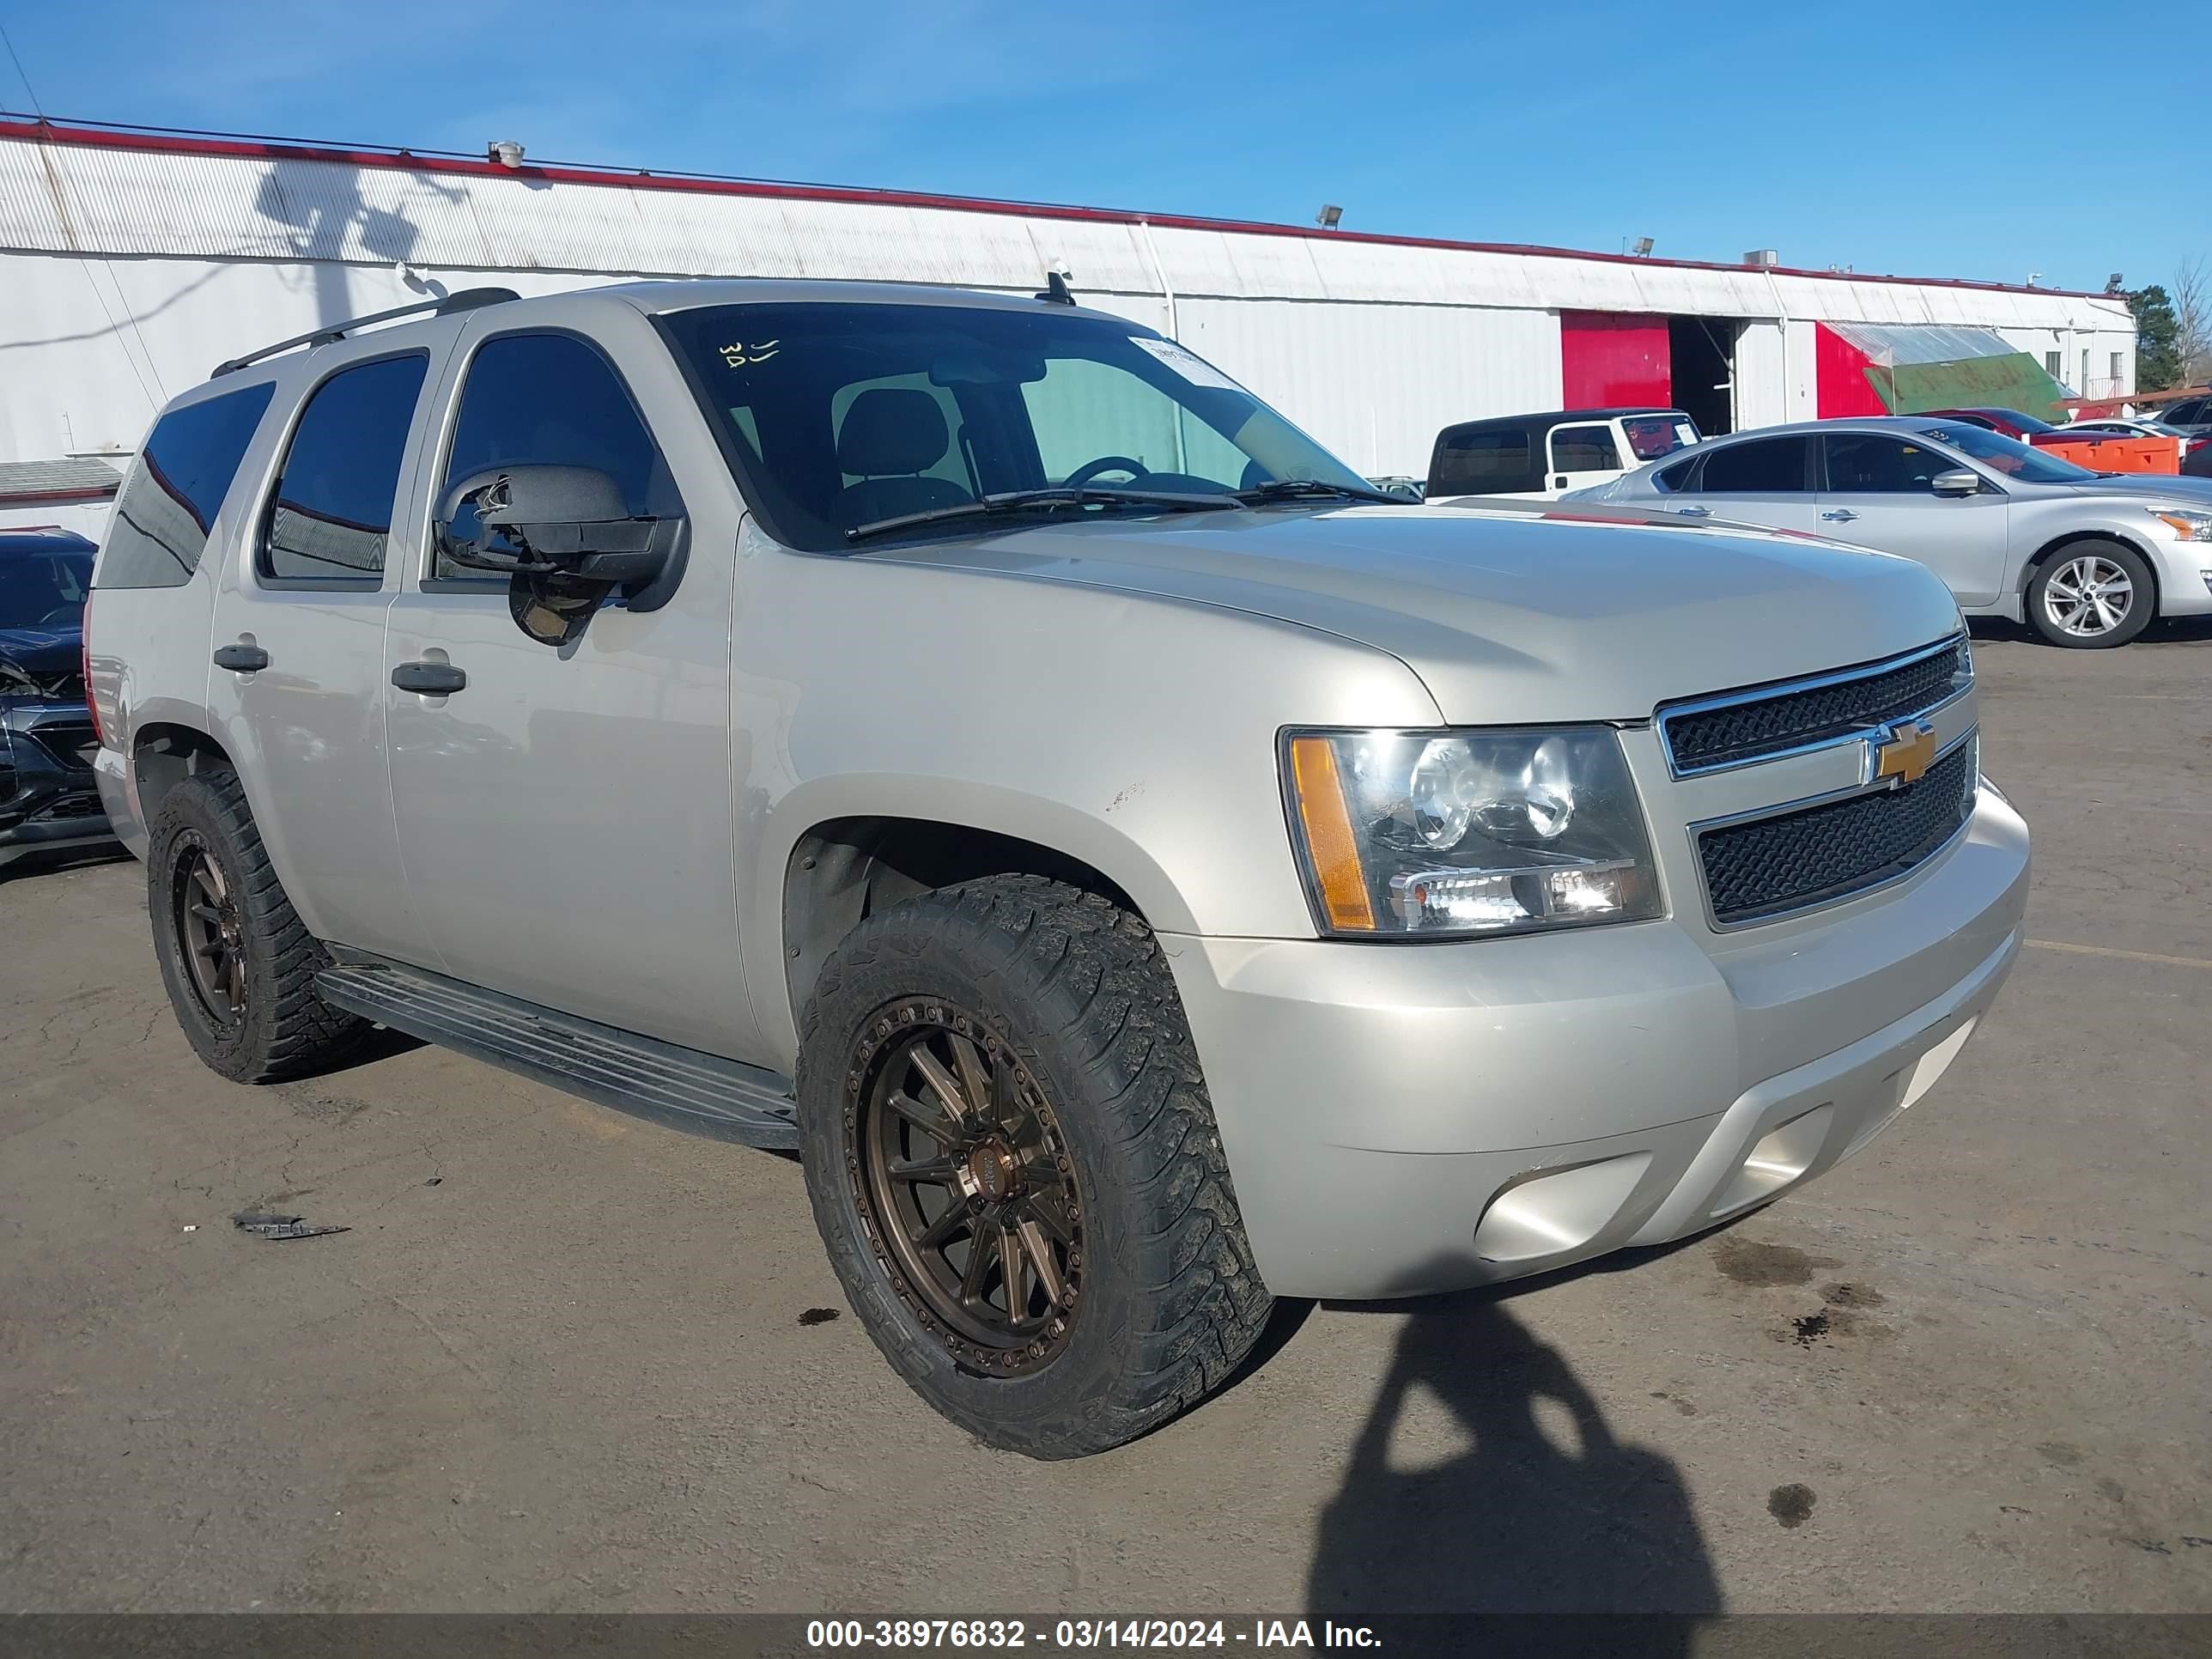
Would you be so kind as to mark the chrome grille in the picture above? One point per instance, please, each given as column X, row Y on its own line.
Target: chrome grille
column 1821, row 855
column 1759, row 723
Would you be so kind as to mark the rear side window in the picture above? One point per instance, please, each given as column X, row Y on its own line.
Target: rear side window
column 162, row 520
column 1771, row 466
column 550, row 400
column 1482, row 461
column 333, row 512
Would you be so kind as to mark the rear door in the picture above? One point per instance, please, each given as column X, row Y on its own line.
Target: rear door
column 1763, row 480
column 298, row 640
column 1877, row 492
column 566, row 812
column 1581, row 454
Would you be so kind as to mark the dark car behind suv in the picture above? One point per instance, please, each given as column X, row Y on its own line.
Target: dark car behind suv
column 48, row 800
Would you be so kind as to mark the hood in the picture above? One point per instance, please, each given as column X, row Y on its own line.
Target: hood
column 46, row 654
column 2166, row 485
column 1513, row 614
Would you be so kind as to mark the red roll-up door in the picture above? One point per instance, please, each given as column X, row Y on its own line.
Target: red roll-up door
column 1839, row 377
column 1611, row 358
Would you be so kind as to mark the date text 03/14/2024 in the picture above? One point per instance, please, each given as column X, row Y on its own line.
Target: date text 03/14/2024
column 1076, row 1635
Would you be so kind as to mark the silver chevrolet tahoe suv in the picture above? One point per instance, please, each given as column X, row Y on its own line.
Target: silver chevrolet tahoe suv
column 972, row 741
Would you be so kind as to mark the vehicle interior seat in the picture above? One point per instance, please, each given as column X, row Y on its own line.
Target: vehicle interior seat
column 892, row 435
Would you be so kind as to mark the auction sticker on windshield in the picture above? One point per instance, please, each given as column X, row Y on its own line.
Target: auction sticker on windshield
column 1192, row 367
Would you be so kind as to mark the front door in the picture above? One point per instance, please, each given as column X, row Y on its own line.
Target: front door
column 1582, row 455
column 297, row 685
column 1878, row 494
column 565, row 813
column 1763, row 480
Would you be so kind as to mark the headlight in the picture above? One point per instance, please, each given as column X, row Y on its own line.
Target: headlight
column 1441, row 833
column 2189, row 523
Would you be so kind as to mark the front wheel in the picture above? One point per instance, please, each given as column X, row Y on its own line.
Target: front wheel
column 2091, row 596
column 1013, row 1162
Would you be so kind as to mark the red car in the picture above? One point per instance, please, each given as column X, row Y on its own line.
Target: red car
column 2010, row 423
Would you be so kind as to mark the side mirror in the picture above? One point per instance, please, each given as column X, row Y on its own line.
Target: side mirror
column 1958, row 480
column 566, row 537
column 555, row 521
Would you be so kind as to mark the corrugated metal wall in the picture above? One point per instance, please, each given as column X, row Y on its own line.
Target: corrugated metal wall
column 125, row 274
column 1374, row 383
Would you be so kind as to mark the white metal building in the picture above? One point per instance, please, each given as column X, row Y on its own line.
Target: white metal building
column 132, row 262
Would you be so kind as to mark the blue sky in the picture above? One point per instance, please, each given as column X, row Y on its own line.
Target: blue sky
column 1916, row 139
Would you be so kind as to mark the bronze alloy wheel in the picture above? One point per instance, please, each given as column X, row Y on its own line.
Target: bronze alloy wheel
column 965, row 1185
column 204, row 911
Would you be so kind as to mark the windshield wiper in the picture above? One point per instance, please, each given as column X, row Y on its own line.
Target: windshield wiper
column 1047, row 499
column 1304, row 489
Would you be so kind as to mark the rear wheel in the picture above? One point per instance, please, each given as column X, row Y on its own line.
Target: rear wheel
column 1014, row 1165
column 239, row 964
column 2092, row 595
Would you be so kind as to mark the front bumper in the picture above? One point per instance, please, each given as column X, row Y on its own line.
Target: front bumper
column 1403, row 1118
column 2183, row 590
column 48, row 801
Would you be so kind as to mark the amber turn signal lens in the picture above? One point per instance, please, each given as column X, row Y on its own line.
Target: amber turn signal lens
column 1330, row 844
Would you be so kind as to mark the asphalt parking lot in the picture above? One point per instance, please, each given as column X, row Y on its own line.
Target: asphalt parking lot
column 564, row 1361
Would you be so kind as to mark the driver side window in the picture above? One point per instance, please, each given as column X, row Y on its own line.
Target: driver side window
column 1865, row 464
column 550, row 400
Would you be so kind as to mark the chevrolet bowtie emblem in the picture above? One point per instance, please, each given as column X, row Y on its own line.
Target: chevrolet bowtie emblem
column 1902, row 754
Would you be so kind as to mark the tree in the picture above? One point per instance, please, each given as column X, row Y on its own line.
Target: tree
column 2192, row 320
column 2157, row 340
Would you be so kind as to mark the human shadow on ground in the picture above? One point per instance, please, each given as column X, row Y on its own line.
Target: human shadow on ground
column 1540, row 1509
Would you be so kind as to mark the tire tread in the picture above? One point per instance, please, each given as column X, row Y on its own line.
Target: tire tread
column 1203, row 1304
column 303, row 1032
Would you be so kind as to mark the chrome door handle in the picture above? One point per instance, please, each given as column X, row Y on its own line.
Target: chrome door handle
column 1841, row 515
column 241, row 659
column 1694, row 512
column 431, row 679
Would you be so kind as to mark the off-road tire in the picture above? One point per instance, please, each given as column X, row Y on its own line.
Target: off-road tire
column 286, row 1029
column 2143, row 608
column 1077, row 990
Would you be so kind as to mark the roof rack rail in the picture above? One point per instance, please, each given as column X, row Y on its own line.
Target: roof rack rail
column 467, row 300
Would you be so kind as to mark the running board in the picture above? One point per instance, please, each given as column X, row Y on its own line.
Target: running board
column 682, row 1087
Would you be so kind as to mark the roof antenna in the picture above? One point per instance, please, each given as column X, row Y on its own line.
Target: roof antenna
column 1057, row 290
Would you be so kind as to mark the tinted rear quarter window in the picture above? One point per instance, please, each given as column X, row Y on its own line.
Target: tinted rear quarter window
column 331, row 514
column 1771, row 466
column 162, row 520
column 1481, row 461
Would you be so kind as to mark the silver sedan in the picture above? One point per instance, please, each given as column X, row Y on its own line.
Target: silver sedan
column 2088, row 558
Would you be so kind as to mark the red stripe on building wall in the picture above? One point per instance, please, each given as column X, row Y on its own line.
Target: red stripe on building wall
column 1839, row 379
column 1607, row 358
column 56, row 497
column 93, row 135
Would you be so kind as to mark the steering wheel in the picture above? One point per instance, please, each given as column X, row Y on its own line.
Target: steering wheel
column 1090, row 470
column 60, row 617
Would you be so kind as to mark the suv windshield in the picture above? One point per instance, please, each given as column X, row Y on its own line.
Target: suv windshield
column 43, row 590
column 841, row 416
column 2015, row 461
column 1650, row 436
